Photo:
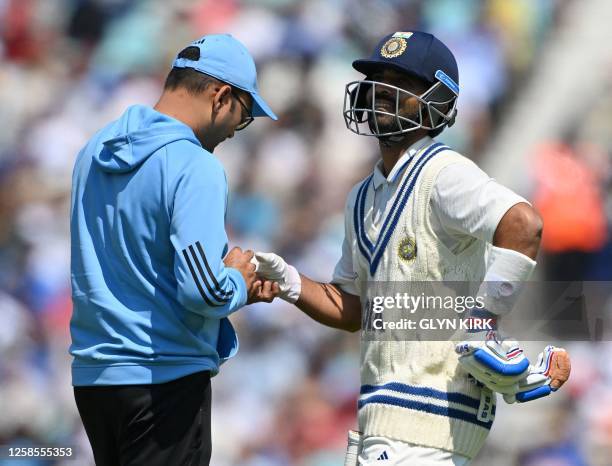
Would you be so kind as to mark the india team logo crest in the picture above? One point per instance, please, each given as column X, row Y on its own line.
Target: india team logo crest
column 407, row 249
column 394, row 47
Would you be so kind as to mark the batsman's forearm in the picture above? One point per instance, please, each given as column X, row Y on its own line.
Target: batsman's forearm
column 329, row 305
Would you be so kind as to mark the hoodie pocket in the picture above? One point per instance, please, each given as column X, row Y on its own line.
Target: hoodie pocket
column 227, row 343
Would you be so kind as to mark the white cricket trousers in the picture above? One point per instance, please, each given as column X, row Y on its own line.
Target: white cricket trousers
column 382, row 451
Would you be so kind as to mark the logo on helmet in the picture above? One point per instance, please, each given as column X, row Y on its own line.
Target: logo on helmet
column 394, row 47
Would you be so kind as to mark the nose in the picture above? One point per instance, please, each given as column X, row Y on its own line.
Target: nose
column 379, row 94
column 383, row 93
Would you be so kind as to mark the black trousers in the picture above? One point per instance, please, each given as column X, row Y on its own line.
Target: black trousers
column 149, row 425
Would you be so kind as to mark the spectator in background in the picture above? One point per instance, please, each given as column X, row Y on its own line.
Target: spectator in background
column 569, row 198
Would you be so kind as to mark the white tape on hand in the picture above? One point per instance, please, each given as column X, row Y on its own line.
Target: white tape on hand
column 256, row 263
column 273, row 267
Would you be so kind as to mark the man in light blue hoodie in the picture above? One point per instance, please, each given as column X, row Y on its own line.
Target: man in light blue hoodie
column 151, row 288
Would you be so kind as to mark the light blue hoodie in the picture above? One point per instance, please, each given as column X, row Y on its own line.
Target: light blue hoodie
column 150, row 291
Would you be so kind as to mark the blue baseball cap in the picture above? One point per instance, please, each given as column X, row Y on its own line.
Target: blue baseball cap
column 226, row 59
column 417, row 53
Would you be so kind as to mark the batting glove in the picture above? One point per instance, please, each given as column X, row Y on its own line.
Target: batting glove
column 273, row 267
column 547, row 376
column 498, row 363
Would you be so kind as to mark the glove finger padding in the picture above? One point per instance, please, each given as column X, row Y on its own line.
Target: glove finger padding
column 499, row 365
column 532, row 387
column 551, row 371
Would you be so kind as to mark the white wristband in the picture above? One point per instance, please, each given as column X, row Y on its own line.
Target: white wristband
column 504, row 280
column 293, row 287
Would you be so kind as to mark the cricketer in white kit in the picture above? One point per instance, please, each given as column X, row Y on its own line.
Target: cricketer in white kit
column 425, row 214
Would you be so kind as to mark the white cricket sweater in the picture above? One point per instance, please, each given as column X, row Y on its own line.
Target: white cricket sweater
column 415, row 391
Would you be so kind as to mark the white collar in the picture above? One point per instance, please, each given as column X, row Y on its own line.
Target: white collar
column 378, row 178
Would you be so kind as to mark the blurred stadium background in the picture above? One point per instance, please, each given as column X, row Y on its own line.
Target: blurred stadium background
column 535, row 111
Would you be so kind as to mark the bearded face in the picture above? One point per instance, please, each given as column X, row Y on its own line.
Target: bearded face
column 390, row 102
column 386, row 100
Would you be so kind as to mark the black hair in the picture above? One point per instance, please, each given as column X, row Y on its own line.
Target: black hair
column 189, row 79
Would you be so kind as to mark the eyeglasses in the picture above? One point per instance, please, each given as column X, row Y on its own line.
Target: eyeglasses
column 249, row 118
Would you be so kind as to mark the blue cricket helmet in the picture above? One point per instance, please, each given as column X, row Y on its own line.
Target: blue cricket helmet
column 418, row 54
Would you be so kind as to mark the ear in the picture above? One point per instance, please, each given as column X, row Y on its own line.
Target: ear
column 221, row 96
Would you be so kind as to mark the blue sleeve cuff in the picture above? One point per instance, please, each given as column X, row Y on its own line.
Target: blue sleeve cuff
column 241, row 292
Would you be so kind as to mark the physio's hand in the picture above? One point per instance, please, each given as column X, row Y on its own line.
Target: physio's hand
column 547, row 376
column 241, row 261
column 498, row 363
column 272, row 267
column 264, row 291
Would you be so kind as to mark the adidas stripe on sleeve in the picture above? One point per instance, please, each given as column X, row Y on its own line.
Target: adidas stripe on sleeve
column 197, row 211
